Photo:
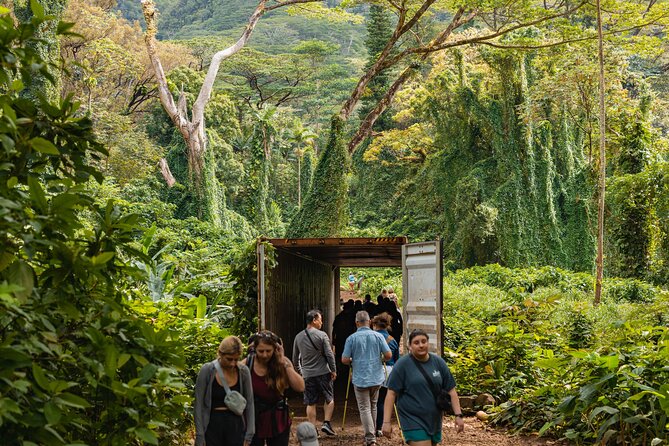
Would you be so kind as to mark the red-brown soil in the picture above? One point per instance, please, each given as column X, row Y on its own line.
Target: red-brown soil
column 477, row 433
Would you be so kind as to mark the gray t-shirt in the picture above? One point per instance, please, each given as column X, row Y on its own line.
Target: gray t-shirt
column 310, row 361
column 416, row 403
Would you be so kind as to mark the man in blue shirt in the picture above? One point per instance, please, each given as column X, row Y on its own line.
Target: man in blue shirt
column 366, row 350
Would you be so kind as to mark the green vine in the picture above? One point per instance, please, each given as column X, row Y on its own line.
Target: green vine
column 325, row 209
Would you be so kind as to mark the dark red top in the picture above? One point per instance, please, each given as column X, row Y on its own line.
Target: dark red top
column 269, row 421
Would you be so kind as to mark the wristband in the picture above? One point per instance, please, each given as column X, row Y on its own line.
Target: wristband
column 459, row 415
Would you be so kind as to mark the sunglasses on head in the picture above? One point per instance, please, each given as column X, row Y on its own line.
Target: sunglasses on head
column 270, row 336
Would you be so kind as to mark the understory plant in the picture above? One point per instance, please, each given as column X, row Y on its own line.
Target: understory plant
column 77, row 364
column 556, row 364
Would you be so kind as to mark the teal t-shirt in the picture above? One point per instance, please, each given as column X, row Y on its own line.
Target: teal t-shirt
column 416, row 403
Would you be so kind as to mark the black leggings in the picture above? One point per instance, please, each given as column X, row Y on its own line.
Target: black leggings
column 224, row 429
column 383, row 391
column 279, row 440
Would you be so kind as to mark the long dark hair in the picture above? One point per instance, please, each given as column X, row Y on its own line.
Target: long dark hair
column 276, row 377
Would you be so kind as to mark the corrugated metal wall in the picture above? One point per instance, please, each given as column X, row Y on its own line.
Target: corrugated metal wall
column 296, row 286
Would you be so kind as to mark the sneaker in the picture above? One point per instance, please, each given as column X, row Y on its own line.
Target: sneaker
column 379, row 433
column 327, row 428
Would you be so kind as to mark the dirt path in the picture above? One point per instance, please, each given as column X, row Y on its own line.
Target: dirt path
column 476, row 432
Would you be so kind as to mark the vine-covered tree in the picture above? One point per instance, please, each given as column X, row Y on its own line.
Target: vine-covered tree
column 497, row 25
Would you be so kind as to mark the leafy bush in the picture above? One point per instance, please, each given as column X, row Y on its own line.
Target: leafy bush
column 559, row 365
column 244, row 277
column 78, row 366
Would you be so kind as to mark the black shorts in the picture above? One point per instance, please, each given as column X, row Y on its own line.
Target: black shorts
column 224, row 429
column 316, row 386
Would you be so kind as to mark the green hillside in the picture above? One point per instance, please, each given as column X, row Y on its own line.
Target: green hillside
column 184, row 19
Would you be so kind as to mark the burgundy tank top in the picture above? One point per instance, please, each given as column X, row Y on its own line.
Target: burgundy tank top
column 272, row 418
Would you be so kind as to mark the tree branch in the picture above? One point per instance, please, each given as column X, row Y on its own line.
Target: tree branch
column 166, row 98
column 366, row 126
column 208, row 84
column 400, row 29
column 287, row 3
column 438, row 46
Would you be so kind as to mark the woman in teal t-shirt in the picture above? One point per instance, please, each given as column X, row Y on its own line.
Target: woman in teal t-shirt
column 420, row 417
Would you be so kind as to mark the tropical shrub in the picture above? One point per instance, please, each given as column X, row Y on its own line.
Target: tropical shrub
column 557, row 364
column 77, row 365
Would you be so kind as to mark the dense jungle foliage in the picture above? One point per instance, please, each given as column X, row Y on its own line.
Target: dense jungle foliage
column 115, row 287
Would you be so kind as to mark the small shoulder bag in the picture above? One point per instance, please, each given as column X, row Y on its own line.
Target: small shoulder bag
column 441, row 396
column 306, row 331
column 234, row 400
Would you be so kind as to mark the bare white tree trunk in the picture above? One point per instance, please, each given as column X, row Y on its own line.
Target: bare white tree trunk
column 192, row 129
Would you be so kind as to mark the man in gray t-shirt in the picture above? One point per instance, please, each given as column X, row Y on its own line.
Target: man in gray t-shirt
column 314, row 360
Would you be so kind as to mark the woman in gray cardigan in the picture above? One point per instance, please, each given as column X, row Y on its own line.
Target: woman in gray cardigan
column 215, row 424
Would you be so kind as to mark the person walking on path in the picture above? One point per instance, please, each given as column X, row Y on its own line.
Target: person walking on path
column 380, row 323
column 215, row 422
column 314, row 360
column 420, row 417
column 351, row 281
column 343, row 326
column 271, row 374
column 366, row 350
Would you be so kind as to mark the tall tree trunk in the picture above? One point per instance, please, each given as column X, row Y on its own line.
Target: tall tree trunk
column 193, row 129
column 602, row 161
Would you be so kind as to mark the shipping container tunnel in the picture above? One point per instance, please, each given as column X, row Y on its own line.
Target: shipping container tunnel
column 307, row 276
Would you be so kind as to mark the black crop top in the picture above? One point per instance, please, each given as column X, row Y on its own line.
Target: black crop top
column 218, row 393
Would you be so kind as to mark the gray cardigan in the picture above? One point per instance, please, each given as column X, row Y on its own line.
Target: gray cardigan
column 203, row 385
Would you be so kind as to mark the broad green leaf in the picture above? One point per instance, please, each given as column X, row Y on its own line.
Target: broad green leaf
column 611, row 362
column 21, row 274
column 102, row 258
column 664, row 398
column 44, row 146
column 54, row 433
column 9, row 204
column 4, row 10
column 122, row 359
column 9, row 406
column 597, row 410
column 146, row 435
column 17, row 85
column 140, row 359
column 111, row 360
column 40, row 377
column 11, row 182
column 6, row 258
column 72, row 400
column 14, row 355
column 201, row 302
column 52, row 413
column 547, row 425
column 37, row 9
column 37, row 193
column 147, row 373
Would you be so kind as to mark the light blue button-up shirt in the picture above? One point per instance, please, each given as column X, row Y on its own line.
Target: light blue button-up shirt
column 365, row 347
